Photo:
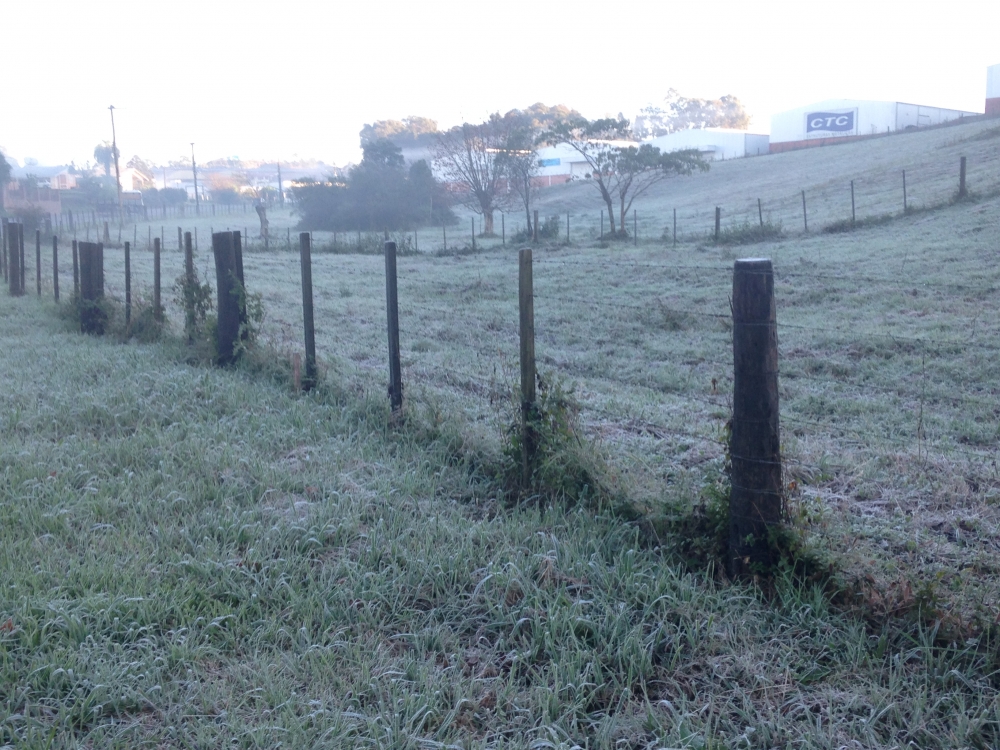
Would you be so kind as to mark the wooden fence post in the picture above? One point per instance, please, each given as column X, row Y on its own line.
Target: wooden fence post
column 534, row 230
column 444, row 234
column 904, row 191
column 961, row 179
column 38, row 262
column 55, row 267
column 4, row 241
column 91, row 287
column 805, row 219
column 226, row 280
column 635, row 228
column 567, row 227
column 602, row 225
column 180, row 239
column 473, row 232
column 760, row 213
column 854, row 216
column 718, row 222
column 308, row 323
column 675, row 225
column 755, row 501
column 107, row 234
column 238, row 255
column 526, row 303
column 503, row 229
column 157, row 307
column 13, row 260
column 20, row 245
column 189, row 311
column 76, row 269
column 392, row 318
column 128, row 286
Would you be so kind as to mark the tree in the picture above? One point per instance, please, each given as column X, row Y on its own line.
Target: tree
column 4, row 170
column 145, row 170
column 408, row 129
column 472, row 158
column 682, row 113
column 105, row 154
column 620, row 170
column 520, row 161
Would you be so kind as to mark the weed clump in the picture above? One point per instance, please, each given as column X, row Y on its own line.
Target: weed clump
column 547, row 230
column 749, row 233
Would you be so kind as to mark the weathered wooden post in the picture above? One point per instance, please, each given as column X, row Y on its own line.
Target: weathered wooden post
column 760, row 213
column 157, row 301
column 13, row 260
column 76, row 269
column 38, row 262
column 718, row 222
column 805, row 219
column 534, row 229
column 91, row 287
column 180, row 240
column 228, row 328
column 305, row 258
column 675, row 225
column 962, row 192
column 241, row 294
column 473, row 219
column 4, row 242
column 854, row 216
column 392, row 318
column 635, row 228
column 526, row 304
column 128, row 286
column 20, row 244
column 503, row 229
column 567, row 227
column 107, row 234
column 55, row 267
column 904, row 191
column 755, row 501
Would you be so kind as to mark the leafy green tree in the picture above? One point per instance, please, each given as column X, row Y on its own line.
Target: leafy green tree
column 621, row 171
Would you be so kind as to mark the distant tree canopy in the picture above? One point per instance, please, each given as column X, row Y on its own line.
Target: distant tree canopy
column 145, row 170
column 380, row 193
column 542, row 117
column 398, row 131
column 682, row 113
column 105, row 154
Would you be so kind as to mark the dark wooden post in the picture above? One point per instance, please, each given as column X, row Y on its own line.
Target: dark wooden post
column 180, row 239
column 526, row 303
column 635, row 228
column 567, row 227
column 76, row 269
column 760, row 213
column 961, row 179
column 238, row 254
column 91, row 287
column 189, row 311
column 107, row 234
column 157, row 307
column 602, row 225
column 128, row 286
column 718, row 222
column 38, row 262
column 20, row 244
column 755, row 501
column 226, row 281
column 854, row 216
column 392, row 317
column 4, row 242
column 13, row 260
column 55, row 267
column 534, row 229
column 444, row 235
column 473, row 232
column 805, row 219
column 675, row 225
column 904, row 191
column 503, row 229
column 308, row 324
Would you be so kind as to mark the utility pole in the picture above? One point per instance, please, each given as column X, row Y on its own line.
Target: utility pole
column 194, row 171
column 281, row 192
column 114, row 153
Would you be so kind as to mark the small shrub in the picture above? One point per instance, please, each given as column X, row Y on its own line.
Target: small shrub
column 547, row 230
column 195, row 299
column 750, row 232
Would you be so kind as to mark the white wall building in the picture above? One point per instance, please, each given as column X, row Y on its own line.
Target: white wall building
column 714, row 144
column 993, row 90
column 844, row 119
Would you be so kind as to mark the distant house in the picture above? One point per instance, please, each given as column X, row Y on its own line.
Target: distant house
column 63, row 180
column 714, row 144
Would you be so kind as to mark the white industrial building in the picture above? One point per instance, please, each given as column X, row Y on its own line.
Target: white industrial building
column 714, row 144
column 837, row 120
column 993, row 90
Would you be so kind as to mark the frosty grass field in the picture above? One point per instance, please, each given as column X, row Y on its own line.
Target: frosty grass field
column 193, row 557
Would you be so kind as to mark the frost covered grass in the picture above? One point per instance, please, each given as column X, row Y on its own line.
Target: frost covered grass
column 194, row 557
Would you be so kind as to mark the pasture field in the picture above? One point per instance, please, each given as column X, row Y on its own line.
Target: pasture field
column 194, row 557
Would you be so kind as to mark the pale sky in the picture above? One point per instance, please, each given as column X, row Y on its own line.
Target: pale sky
column 287, row 78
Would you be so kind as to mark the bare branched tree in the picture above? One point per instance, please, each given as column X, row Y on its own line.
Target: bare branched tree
column 621, row 171
column 473, row 160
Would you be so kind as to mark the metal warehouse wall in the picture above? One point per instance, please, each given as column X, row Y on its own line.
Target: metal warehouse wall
column 993, row 90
